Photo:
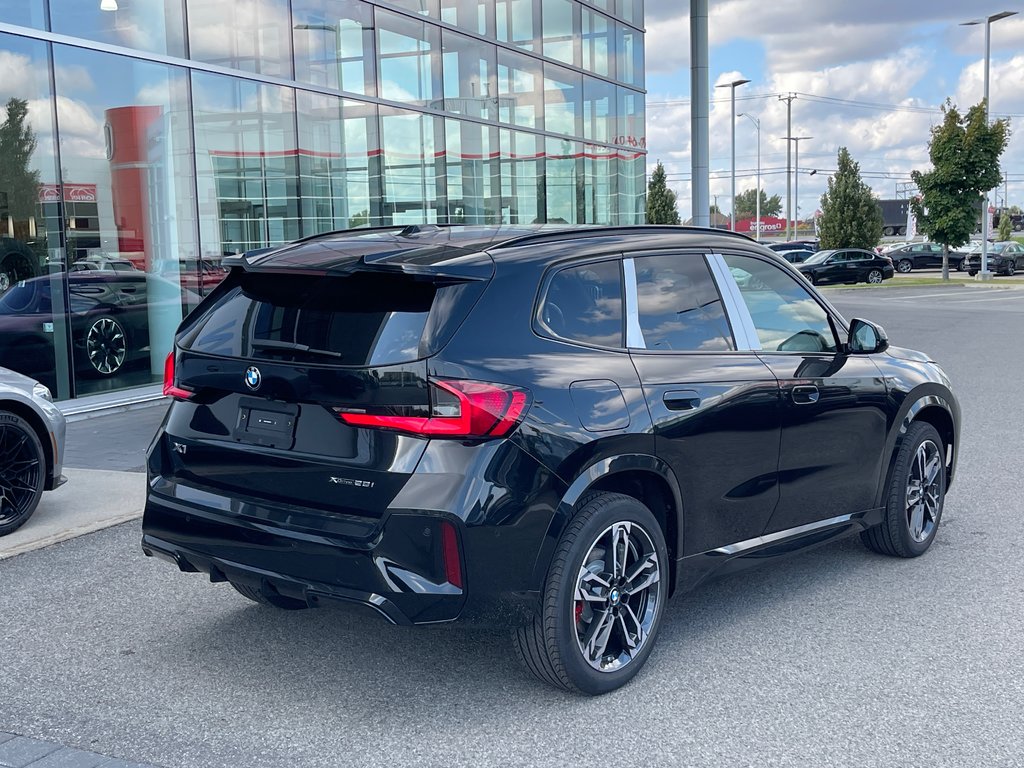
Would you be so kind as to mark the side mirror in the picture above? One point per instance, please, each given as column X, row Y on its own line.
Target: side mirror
column 867, row 338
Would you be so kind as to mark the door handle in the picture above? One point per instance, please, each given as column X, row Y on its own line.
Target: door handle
column 805, row 394
column 681, row 400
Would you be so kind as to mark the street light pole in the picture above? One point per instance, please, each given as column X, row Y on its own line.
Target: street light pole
column 732, row 118
column 985, row 274
column 757, row 127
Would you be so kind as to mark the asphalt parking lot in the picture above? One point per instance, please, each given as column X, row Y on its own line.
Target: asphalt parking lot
column 835, row 657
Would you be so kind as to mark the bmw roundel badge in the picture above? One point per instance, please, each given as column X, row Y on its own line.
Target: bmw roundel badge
column 253, row 377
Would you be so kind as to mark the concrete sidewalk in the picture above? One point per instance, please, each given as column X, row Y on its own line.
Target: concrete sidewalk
column 90, row 501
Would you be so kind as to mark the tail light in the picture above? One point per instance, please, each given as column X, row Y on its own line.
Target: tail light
column 450, row 554
column 171, row 389
column 459, row 408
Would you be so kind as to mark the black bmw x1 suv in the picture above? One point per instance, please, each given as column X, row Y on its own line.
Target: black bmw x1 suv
column 556, row 429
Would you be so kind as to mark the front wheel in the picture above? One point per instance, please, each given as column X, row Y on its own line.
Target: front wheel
column 603, row 600
column 1011, row 267
column 875, row 276
column 904, row 266
column 22, row 472
column 106, row 347
column 961, row 265
column 916, row 494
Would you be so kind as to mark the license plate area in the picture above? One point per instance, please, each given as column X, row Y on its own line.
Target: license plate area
column 266, row 423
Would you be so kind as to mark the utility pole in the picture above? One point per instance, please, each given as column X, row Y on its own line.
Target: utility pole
column 699, row 100
column 789, row 145
column 796, row 140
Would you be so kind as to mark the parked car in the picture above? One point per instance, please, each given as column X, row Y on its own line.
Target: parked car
column 1004, row 258
column 847, row 265
column 109, row 315
column 797, row 256
column 102, row 263
column 552, row 429
column 31, row 447
column 795, row 245
column 911, row 256
column 17, row 262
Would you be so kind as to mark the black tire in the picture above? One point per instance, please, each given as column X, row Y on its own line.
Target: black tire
column 874, row 277
column 903, row 266
column 550, row 646
column 972, row 272
column 961, row 265
column 259, row 596
column 23, row 474
column 894, row 536
column 1011, row 267
column 814, row 279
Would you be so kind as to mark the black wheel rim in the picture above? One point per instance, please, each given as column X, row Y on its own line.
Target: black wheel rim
column 105, row 345
column 20, row 472
column 618, row 594
column 924, row 491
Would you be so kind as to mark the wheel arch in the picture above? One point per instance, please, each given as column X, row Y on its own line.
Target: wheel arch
column 38, row 425
column 933, row 409
column 644, row 477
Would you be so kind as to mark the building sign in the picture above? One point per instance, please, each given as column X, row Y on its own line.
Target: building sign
column 73, row 193
column 768, row 224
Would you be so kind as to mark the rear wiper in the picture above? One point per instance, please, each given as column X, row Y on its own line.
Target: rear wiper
column 289, row 346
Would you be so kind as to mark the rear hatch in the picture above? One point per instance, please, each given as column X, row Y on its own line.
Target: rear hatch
column 268, row 370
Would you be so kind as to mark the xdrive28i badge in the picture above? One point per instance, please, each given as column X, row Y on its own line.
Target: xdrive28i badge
column 253, row 377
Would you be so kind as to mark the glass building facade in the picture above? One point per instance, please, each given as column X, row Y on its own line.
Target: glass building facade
column 141, row 141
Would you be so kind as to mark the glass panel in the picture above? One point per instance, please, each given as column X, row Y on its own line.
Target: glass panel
column 517, row 22
column 470, row 80
column 128, row 147
column 679, row 305
column 560, row 23
column 604, row 5
column 25, row 13
column 563, row 96
column 630, row 127
column 584, row 304
column 334, row 44
column 246, row 163
column 599, row 165
column 786, row 316
column 33, row 329
column 597, row 43
column 631, row 10
column 474, row 182
column 519, row 90
column 252, row 35
column 564, row 181
column 339, row 163
column 149, row 25
column 413, row 173
column 630, row 55
column 472, row 15
column 631, row 192
column 598, row 109
column 422, row 7
column 410, row 67
column 522, row 164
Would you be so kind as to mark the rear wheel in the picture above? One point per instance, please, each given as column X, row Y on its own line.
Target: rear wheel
column 1011, row 267
column 22, row 471
column 916, row 494
column 875, row 276
column 603, row 600
column 106, row 347
column 268, row 598
column 904, row 265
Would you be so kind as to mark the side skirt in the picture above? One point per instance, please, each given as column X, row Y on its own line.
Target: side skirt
column 693, row 570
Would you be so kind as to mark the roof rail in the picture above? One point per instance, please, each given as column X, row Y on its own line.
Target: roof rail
column 573, row 233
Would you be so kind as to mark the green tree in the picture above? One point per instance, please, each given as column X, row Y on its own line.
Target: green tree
column 746, row 204
column 964, row 150
column 1005, row 225
column 19, row 185
column 661, row 201
column 850, row 217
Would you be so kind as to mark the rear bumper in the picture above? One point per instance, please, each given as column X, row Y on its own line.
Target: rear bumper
column 395, row 568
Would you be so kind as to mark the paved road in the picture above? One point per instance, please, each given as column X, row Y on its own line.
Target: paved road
column 837, row 657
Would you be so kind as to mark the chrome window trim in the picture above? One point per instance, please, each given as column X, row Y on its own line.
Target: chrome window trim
column 735, row 307
column 634, row 333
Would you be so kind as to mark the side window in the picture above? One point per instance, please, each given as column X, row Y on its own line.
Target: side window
column 584, row 304
column 679, row 306
column 785, row 314
column 839, row 257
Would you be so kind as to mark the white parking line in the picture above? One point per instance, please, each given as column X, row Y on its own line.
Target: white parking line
column 988, row 298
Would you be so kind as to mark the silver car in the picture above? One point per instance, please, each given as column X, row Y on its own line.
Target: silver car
column 31, row 447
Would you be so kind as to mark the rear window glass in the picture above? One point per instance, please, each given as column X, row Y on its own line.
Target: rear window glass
column 584, row 304
column 362, row 319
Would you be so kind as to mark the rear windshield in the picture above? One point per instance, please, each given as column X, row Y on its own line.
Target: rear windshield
column 362, row 319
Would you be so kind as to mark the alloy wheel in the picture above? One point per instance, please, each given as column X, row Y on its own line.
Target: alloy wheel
column 105, row 345
column 617, row 596
column 20, row 472
column 874, row 277
column 904, row 266
column 923, row 491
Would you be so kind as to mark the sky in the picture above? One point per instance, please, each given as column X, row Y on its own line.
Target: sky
column 897, row 60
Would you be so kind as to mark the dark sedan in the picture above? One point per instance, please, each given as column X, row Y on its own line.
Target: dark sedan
column 1004, row 258
column 913, row 256
column 847, row 265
